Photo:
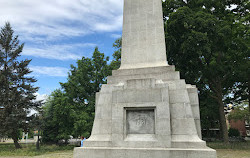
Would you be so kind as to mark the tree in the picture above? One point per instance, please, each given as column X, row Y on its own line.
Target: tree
column 16, row 88
column 36, row 125
column 240, row 112
column 83, row 83
column 54, row 127
column 116, row 62
column 209, row 113
column 209, row 44
column 75, row 101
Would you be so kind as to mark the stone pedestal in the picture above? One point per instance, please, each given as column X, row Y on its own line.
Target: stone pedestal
column 145, row 113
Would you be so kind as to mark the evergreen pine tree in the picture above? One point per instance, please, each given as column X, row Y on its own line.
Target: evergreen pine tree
column 16, row 87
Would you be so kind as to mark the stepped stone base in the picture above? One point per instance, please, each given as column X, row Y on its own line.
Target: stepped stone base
column 146, row 113
column 108, row 152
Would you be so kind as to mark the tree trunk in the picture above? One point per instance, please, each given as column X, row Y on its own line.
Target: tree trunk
column 17, row 145
column 248, row 95
column 37, row 143
column 223, row 124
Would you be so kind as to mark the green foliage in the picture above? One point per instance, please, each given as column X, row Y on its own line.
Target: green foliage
column 57, row 119
column 204, row 47
column 232, row 132
column 209, row 111
column 83, row 83
column 209, row 44
column 240, row 113
column 31, row 134
column 16, row 88
column 75, row 102
column 116, row 62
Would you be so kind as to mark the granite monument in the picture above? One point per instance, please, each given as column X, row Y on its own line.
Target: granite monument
column 145, row 110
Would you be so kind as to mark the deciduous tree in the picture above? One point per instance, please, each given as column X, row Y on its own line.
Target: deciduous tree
column 84, row 81
column 75, row 102
column 209, row 42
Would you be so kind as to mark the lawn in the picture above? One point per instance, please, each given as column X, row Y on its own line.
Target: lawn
column 235, row 150
column 29, row 150
column 231, row 153
column 232, row 150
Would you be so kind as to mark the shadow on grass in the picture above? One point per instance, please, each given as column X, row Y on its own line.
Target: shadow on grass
column 231, row 145
column 30, row 149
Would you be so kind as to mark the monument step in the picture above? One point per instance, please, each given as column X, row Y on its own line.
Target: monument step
column 119, row 152
column 167, row 76
column 138, row 71
column 144, row 144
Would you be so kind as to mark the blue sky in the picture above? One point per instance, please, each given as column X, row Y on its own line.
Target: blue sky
column 58, row 32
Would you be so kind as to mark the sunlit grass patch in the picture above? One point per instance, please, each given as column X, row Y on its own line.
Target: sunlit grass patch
column 30, row 149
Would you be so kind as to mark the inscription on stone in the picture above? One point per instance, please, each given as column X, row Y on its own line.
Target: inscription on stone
column 141, row 121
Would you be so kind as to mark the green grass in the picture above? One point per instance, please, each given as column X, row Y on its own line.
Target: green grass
column 233, row 150
column 234, row 145
column 233, row 153
column 30, row 150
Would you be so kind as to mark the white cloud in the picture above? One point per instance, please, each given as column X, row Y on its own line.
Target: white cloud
column 39, row 22
column 41, row 97
column 55, row 19
column 49, row 71
column 113, row 26
column 116, row 36
column 58, row 52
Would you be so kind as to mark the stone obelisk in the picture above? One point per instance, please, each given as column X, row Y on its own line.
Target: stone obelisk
column 145, row 110
column 143, row 40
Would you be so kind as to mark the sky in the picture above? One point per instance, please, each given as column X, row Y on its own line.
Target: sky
column 57, row 33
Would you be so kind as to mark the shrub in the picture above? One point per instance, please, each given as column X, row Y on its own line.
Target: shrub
column 232, row 132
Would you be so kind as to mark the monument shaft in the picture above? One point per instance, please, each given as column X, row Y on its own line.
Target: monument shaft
column 143, row 40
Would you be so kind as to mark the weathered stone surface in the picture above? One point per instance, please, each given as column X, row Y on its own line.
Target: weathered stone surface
column 143, row 40
column 107, row 152
column 140, row 121
column 194, row 101
column 147, row 70
column 110, row 126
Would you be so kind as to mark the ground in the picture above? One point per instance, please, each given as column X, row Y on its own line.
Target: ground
column 229, row 153
column 62, row 154
column 235, row 150
column 222, row 153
